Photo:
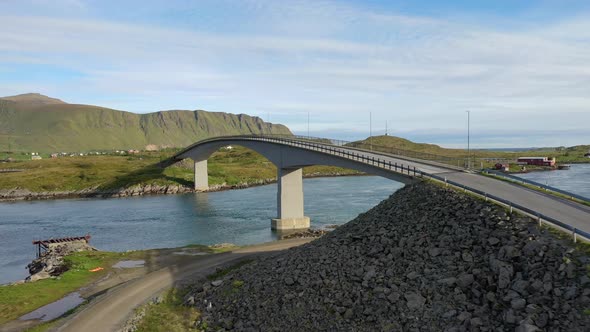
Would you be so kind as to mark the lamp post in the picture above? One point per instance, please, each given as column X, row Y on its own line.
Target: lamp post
column 307, row 125
column 468, row 146
column 371, row 130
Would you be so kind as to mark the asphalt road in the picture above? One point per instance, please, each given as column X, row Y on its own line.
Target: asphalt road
column 566, row 211
column 110, row 311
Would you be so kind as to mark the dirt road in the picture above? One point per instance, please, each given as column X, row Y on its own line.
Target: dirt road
column 110, row 311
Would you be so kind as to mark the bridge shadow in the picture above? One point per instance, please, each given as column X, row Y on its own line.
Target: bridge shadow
column 151, row 174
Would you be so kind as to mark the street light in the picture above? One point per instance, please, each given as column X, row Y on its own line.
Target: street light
column 307, row 125
column 371, row 130
column 468, row 146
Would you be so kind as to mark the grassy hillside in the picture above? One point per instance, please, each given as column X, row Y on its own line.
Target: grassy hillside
column 237, row 166
column 42, row 124
column 563, row 154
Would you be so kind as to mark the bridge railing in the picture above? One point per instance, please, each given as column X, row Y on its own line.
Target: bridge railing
column 348, row 154
column 511, row 205
column 412, row 171
column 458, row 161
column 537, row 184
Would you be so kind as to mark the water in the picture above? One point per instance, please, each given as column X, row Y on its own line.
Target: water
column 166, row 221
column 575, row 180
column 55, row 309
column 129, row 264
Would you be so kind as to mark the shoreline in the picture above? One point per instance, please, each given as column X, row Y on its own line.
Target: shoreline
column 19, row 194
column 154, row 261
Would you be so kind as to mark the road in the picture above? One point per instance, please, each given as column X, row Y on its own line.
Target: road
column 110, row 311
column 566, row 211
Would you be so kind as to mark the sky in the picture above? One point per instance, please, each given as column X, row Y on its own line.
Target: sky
column 521, row 68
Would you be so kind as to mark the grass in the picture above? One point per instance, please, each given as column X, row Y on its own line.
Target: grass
column 17, row 300
column 230, row 167
column 107, row 172
column 170, row 315
column 220, row 273
column 43, row 327
column 573, row 154
column 212, row 249
column 536, row 188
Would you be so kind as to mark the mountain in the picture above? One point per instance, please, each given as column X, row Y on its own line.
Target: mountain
column 33, row 99
column 33, row 122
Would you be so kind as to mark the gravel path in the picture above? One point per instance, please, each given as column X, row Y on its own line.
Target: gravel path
column 109, row 312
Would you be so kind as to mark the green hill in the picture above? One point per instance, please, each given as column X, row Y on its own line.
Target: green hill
column 386, row 143
column 404, row 144
column 33, row 122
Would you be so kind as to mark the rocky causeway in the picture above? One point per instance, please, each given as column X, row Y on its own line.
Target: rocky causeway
column 426, row 259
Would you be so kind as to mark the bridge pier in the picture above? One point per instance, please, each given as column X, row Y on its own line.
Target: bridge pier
column 201, row 175
column 290, row 200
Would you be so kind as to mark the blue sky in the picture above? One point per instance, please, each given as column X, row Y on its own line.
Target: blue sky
column 521, row 67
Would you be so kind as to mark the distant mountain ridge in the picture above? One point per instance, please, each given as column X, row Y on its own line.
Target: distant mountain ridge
column 33, row 99
column 34, row 122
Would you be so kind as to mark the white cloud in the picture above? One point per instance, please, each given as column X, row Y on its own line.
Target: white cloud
column 336, row 61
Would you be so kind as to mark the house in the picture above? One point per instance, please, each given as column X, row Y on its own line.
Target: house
column 54, row 155
column 587, row 155
column 36, row 157
column 538, row 161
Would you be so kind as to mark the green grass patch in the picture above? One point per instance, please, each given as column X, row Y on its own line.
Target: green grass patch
column 536, row 188
column 169, row 315
column 220, row 273
column 108, row 172
column 43, row 327
column 17, row 300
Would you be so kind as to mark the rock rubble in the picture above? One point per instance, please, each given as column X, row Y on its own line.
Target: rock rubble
column 51, row 263
column 17, row 194
column 426, row 259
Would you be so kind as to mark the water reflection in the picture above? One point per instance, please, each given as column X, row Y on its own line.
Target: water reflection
column 55, row 309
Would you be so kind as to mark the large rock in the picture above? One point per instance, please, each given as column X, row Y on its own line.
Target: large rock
column 426, row 259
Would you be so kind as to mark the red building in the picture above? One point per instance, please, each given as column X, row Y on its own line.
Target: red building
column 538, row 161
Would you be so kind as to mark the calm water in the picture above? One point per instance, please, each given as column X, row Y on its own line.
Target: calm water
column 119, row 224
column 575, row 180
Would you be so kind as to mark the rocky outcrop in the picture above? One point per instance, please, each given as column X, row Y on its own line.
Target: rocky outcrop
column 426, row 259
column 308, row 233
column 20, row 194
column 137, row 190
column 51, row 263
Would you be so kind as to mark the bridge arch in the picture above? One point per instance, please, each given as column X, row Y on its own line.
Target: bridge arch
column 289, row 160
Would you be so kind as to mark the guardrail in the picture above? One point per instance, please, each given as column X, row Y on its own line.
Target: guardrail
column 351, row 155
column 417, row 173
column 324, row 146
column 458, row 162
column 536, row 184
column 540, row 217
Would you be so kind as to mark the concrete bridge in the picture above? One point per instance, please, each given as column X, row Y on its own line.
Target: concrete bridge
column 291, row 154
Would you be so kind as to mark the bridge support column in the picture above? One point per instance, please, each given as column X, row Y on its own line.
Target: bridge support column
column 201, row 175
column 290, row 200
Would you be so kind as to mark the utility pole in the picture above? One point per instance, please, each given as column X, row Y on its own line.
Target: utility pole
column 2, row 109
column 468, row 146
column 385, row 127
column 307, row 125
column 371, row 130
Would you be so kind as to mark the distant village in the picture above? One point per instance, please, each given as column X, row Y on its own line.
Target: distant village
column 37, row 156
